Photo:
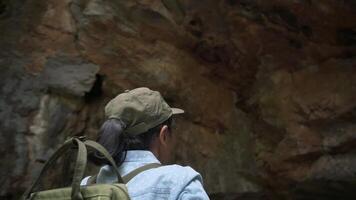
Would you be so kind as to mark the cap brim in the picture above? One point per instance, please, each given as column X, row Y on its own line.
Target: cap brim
column 177, row 111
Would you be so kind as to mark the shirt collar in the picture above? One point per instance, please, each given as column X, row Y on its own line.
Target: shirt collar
column 140, row 156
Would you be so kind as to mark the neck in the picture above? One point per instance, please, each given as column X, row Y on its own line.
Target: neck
column 154, row 148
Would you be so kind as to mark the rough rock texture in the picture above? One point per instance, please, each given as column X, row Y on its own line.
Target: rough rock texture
column 269, row 86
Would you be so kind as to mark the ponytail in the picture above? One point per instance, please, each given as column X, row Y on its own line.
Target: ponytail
column 111, row 137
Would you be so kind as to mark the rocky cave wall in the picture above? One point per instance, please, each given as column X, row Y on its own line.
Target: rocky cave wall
column 269, row 86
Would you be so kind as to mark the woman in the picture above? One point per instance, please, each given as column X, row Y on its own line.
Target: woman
column 138, row 134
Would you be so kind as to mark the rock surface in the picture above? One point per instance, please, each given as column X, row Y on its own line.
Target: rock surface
column 269, row 87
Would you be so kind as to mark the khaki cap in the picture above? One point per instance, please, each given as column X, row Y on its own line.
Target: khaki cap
column 140, row 109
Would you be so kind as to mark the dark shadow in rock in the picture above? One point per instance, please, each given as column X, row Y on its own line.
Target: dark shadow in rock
column 348, row 54
column 325, row 190
column 231, row 2
column 3, row 7
column 295, row 43
column 307, row 31
column 284, row 17
column 96, row 91
column 239, row 196
column 347, row 36
column 195, row 27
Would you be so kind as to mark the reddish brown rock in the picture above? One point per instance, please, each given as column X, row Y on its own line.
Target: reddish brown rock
column 269, row 86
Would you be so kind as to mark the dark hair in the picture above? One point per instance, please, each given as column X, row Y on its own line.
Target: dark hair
column 116, row 143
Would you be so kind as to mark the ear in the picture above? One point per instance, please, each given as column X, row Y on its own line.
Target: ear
column 163, row 135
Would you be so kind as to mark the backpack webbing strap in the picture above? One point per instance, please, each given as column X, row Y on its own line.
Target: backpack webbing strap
column 92, row 180
column 78, row 171
column 135, row 172
column 129, row 176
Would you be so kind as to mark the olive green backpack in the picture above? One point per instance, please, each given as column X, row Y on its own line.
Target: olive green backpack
column 115, row 191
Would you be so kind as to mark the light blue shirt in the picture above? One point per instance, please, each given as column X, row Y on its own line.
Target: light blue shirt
column 168, row 182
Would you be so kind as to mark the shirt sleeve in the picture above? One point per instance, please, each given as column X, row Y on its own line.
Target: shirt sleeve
column 193, row 191
column 84, row 181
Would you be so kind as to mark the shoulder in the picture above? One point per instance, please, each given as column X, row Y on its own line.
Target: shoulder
column 168, row 179
column 185, row 182
column 173, row 176
column 179, row 172
column 85, row 180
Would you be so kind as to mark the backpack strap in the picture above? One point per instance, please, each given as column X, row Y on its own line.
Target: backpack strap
column 92, row 180
column 129, row 176
column 80, row 164
column 135, row 172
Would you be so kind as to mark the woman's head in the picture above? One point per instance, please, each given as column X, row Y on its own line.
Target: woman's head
column 159, row 140
column 139, row 119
